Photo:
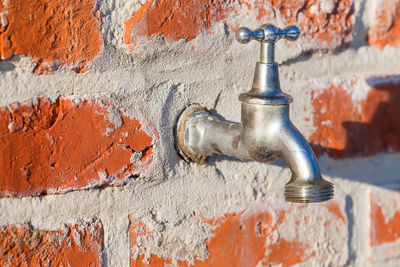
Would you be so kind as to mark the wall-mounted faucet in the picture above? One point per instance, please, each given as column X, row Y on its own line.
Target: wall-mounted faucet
column 265, row 133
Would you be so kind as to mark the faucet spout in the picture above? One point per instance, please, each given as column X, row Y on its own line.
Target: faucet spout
column 267, row 130
column 298, row 154
column 306, row 184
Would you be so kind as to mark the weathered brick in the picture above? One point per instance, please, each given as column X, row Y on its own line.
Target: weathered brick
column 385, row 28
column 174, row 19
column 78, row 244
column 55, row 34
column 385, row 223
column 325, row 23
column 263, row 238
column 345, row 128
column 48, row 148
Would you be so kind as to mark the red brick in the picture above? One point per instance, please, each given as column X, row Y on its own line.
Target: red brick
column 55, row 34
column 385, row 28
column 48, row 148
column 327, row 23
column 239, row 240
column 78, row 244
column 385, row 223
column 173, row 19
column 342, row 130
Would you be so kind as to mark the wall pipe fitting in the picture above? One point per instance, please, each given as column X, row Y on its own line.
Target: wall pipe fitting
column 265, row 132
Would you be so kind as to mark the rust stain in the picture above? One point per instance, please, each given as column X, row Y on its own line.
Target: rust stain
column 55, row 147
column 386, row 27
column 20, row 245
column 343, row 131
column 55, row 34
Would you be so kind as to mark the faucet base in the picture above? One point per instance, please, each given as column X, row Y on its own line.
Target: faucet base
column 181, row 125
column 308, row 192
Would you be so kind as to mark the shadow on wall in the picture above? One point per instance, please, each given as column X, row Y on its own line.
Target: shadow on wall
column 344, row 132
column 6, row 66
column 347, row 130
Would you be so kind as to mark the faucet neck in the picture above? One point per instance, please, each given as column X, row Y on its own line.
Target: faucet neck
column 266, row 88
column 267, row 53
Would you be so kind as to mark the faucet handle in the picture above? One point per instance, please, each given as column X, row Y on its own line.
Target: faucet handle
column 267, row 33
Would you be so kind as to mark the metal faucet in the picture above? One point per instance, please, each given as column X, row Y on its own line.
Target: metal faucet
column 266, row 132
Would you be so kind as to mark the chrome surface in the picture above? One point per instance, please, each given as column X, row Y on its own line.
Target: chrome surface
column 265, row 132
column 266, row 89
column 267, row 33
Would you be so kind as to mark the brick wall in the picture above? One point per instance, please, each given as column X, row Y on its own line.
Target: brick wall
column 90, row 92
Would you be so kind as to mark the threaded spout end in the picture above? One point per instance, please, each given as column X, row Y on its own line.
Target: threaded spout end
column 308, row 192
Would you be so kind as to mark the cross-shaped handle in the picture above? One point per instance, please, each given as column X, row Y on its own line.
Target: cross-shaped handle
column 267, row 33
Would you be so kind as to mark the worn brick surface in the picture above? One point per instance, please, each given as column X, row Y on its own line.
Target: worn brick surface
column 385, row 29
column 273, row 237
column 156, row 61
column 173, row 19
column 346, row 128
column 54, row 34
column 78, row 244
column 385, row 223
column 326, row 24
column 48, row 148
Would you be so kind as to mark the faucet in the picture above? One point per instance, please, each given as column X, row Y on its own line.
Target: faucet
column 265, row 132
